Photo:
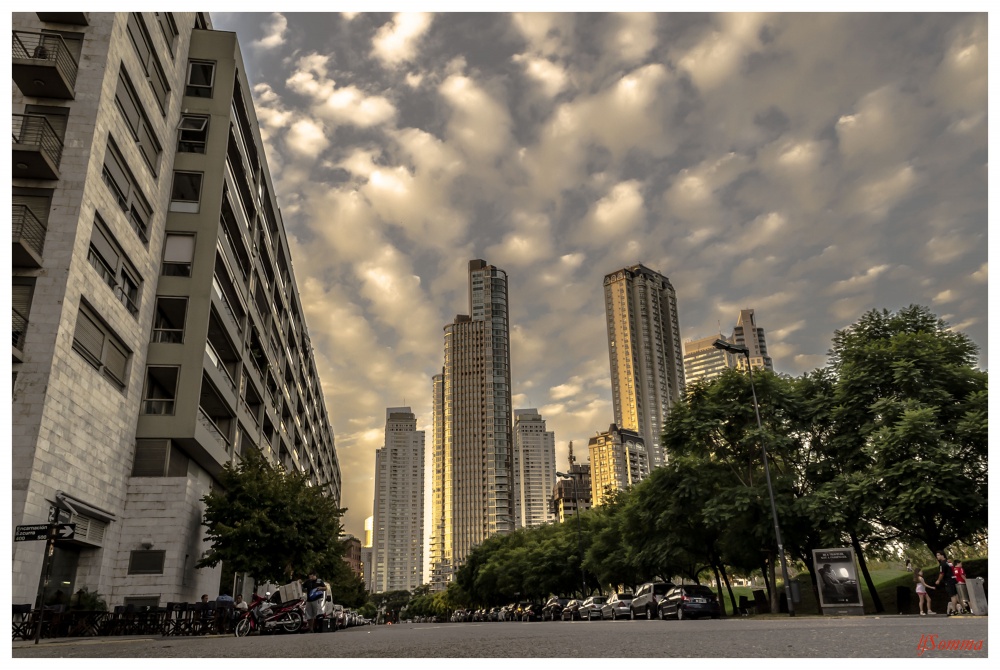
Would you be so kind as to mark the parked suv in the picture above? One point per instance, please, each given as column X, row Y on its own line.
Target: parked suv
column 617, row 607
column 553, row 608
column 647, row 599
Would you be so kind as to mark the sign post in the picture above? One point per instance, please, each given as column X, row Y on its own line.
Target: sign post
column 50, row 532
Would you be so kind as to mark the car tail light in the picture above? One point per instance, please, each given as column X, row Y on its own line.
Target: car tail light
column 685, row 598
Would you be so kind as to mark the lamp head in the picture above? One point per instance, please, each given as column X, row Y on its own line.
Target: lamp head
column 731, row 348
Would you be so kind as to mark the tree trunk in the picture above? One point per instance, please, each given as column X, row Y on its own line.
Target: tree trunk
column 718, row 586
column 811, row 568
column 864, row 571
column 729, row 587
column 767, row 582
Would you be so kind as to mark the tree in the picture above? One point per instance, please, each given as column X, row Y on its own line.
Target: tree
column 270, row 523
column 911, row 399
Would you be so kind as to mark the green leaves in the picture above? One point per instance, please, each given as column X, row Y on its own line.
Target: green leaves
column 270, row 523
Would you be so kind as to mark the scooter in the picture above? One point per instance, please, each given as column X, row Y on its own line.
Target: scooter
column 263, row 616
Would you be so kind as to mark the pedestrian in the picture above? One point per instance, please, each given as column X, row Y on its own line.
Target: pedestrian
column 239, row 604
column 923, row 598
column 909, row 566
column 963, row 589
column 204, row 597
column 315, row 590
column 947, row 577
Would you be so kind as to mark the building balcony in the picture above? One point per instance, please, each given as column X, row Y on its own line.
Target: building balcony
column 71, row 18
column 37, row 149
column 20, row 328
column 42, row 65
column 28, row 237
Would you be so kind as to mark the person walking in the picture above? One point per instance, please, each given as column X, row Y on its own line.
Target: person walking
column 923, row 598
column 963, row 590
column 947, row 576
column 315, row 590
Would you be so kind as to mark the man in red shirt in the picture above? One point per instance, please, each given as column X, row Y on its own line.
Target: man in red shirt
column 963, row 590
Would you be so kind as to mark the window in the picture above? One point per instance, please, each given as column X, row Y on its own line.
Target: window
column 137, row 122
column 186, row 192
column 169, row 29
column 168, row 324
column 114, row 267
column 201, row 78
column 192, row 134
column 178, row 254
column 158, row 458
column 161, row 390
column 147, row 57
column 100, row 346
column 146, row 562
column 126, row 191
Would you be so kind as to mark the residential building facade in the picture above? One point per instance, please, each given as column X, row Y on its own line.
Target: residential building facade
column 398, row 525
column 748, row 334
column 572, row 494
column 534, row 469
column 703, row 361
column 644, row 346
column 352, row 554
column 158, row 333
column 618, row 459
column 367, row 554
column 473, row 468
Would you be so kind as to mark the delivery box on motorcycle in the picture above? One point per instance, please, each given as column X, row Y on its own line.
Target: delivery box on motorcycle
column 290, row 591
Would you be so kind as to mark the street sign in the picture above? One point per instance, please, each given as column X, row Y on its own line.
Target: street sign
column 45, row 531
column 38, row 531
column 59, row 515
column 63, row 531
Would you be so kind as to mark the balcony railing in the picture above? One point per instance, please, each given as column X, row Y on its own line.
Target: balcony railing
column 219, row 365
column 168, row 335
column 206, row 421
column 35, row 130
column 162, row 406
column 27, row 228
column 34, row 54
column 20, row 328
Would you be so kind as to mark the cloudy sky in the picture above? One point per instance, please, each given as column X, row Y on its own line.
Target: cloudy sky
column 808, row 166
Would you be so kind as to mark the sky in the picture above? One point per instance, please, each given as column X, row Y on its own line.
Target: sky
column 808, row 166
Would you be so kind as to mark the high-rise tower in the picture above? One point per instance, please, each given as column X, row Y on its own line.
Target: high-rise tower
column 398, row 525
column 472, row 496
column 647, row 373
column 703, row 361
column 534, row 469
column 747, row 334
column 618, row 459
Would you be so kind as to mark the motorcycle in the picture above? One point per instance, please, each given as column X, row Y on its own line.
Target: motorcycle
column 262, row 616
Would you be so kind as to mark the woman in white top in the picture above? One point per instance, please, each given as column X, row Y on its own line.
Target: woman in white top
column 924, row 598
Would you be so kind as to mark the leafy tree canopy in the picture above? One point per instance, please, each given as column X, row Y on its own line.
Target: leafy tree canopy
column 270, row 523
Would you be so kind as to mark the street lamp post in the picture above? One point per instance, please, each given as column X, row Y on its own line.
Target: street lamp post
column 579, row 540
column 735, row 349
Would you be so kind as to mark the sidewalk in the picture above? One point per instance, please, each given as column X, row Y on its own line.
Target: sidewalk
column 100, row 639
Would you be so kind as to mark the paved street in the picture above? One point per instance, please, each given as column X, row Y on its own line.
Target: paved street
column 890, row 636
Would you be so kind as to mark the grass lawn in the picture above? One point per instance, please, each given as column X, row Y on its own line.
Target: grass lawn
column 885, row 582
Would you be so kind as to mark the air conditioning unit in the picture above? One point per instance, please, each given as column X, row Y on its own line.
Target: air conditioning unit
column 89, row 530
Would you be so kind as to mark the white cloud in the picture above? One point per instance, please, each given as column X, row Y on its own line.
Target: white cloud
column 396, row 42
column 619, row 216
column 718, row 56
column 633, row 38
column 547, row 34
column 479, row 124
column 550, row 77
column 274, row 32
column 307, row 138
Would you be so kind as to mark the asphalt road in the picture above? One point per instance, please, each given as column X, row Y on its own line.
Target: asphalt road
column 887, row 636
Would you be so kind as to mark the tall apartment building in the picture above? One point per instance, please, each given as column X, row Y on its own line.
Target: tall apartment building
column 367, row 557
column 644, row 345
column 618, row 459
column 747, row 334
column 398, row 527
column 473, row 469
column 158, row 333
column 572, row 493
column 534, row 469
column 702, row 361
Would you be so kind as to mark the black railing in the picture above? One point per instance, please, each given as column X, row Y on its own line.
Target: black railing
column 46, row 47
column 20, row 328
column 28, row 228
column 35, row 129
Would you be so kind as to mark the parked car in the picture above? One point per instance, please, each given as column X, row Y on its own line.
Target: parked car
column 618, row 606
column 531, row 612
column 647, row 598
column 572, row 610
column 553, row 608
column 690, row 601
column 590, row 608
